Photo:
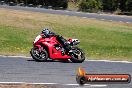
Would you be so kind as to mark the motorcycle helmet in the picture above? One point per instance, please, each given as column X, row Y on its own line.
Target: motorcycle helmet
column 45, row 31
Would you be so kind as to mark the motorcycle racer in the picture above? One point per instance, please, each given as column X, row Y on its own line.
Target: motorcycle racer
column 63, row 41
column 50, row 45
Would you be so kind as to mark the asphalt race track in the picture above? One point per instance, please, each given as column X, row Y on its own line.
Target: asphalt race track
column 62, row 75
column 73, row 13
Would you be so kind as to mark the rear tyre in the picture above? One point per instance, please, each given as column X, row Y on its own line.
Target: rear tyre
column 78, row 56
column 39, row 56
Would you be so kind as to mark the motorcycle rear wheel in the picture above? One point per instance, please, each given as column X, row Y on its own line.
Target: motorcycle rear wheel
column 39, row 56
column 75, row 58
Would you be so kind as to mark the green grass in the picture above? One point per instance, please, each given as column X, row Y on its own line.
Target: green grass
column 99, row 39
column 14, row 41
column 72, row 6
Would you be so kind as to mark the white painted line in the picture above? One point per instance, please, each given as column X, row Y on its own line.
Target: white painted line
column 128, row 22
column 86, row 85
column 44, row 83
column 76, row 84
column 26, row 83
column 110, row 61
column 90, row 13
column 98, row 85
column 84, row 17
column 91, row 85
column 85, row 60
column 19, row 56
column 111, row 20
column 78, row 12
column 120, row 21
column 15, row 56
column 71, row 84
column 67, row 11
column 11, row 82
column 102, row 19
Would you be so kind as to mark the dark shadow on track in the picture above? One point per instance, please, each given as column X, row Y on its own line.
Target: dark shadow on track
column 61, row 61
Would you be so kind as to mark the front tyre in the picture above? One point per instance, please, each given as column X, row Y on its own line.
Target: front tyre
column 78, row 56
column 39, row 56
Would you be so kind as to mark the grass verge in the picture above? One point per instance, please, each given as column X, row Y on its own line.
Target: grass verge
column 99, row 39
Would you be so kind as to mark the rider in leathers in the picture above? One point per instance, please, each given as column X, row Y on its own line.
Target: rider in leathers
column 59, row 38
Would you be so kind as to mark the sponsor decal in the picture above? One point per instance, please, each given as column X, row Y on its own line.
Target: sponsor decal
column 82, row 77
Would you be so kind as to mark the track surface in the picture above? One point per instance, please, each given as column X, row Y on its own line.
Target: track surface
column 18, row 69
column 72, row 13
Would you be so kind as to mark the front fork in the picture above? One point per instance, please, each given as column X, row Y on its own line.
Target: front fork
column 40, row 48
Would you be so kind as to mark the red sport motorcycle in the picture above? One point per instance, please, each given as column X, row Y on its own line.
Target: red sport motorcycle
column 48, row 45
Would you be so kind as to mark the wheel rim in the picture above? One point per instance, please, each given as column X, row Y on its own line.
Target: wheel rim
column 40, row 55
column 78, row 54
column 36, row 52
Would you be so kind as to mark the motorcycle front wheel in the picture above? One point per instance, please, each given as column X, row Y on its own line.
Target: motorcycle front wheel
column 78, row 56
column 39, row 56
